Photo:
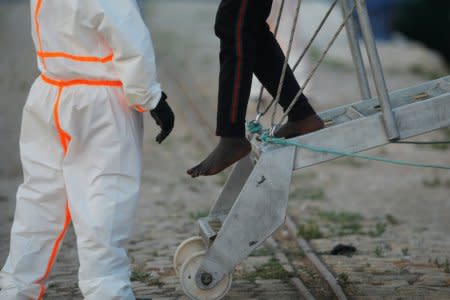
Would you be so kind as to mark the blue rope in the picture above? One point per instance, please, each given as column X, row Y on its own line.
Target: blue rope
column 254, row 127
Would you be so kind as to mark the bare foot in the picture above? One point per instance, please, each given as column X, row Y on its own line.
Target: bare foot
column 226, row 153
column 293, row 129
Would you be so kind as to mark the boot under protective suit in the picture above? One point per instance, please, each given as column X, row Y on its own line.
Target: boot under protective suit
column 80, row 145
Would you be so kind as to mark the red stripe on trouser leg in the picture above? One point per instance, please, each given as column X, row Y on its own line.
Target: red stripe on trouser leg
column 239, row 56
column 64, row 138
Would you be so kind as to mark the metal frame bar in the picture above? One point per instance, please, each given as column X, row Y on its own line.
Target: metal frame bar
column 377, row 70
column 353, row 40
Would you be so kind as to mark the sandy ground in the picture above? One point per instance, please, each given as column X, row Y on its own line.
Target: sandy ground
column 402, row 214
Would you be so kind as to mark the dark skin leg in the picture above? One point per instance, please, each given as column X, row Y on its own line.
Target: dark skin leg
column 226, row 153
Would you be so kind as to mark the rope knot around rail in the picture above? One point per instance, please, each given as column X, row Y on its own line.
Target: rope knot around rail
column 266, row 137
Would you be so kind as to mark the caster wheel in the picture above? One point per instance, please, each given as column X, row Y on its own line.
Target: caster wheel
column 187, row 278
column 185, row 250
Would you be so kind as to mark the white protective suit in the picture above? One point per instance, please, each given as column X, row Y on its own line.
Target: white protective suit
column 81, row 145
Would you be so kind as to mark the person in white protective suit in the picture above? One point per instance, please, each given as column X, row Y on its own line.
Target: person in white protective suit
column 80, row 145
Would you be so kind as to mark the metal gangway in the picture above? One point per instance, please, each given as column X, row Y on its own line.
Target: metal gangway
column 252, row 205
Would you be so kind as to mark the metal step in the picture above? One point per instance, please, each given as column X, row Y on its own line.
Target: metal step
column 359, row 126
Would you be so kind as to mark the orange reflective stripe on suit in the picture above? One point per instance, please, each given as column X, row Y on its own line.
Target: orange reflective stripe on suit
column 93, row 59
column 38, row 27
column 53, row 254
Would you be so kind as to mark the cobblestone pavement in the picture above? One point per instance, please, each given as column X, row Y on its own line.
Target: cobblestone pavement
column 397, row 218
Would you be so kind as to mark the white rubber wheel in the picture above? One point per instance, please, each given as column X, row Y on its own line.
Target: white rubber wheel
column 185, row 250
column 187, row 279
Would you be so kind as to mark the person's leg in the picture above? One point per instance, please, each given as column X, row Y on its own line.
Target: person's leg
column 236, row 26
column 41, row 216
column 269, row 65
column 102, row 171
column 268, row 68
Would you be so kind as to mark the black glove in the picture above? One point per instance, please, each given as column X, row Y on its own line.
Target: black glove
column 164, row 117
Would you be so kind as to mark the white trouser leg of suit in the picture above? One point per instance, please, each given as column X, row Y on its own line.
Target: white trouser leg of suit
column 96, row 173
column 41, row 199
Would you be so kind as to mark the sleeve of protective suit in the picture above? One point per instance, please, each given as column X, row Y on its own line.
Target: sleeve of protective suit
column 121, row 25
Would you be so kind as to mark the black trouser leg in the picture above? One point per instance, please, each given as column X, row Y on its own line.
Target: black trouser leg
column 248, row 46
column 236, row 25
column 268, row 67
